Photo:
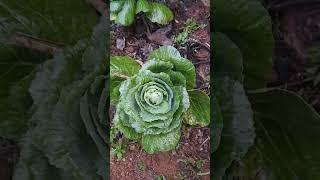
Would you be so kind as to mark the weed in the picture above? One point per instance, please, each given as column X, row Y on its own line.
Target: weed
column 189, row 26
column 118, row 150
column 199, row 164
column 141, row 166
column 161, row 177
column 180, row 175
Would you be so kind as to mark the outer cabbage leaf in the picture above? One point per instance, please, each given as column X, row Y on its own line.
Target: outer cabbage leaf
column 15, row 103
column 160, row 14
column 227, row 57
column 58, row 21
column 44, row 19
column 248, row 24
column 127, row 12
column 123, row 65
column 123, row 12
column 70, row 96
column 287, row 145
column 143, row 6
column 238, row 132
column 172, row 55
column 199, row 111
column 217, row 124
column 162, row 142
column 120, row 66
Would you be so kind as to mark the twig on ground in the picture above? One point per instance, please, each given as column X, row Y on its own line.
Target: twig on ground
column 100, row 5
column 204, row 141
column 139, row 62
column 277, row 6
column 206, row 45
column 201, row 62
column 284, row 86
column 28, row 41
column 203, row 174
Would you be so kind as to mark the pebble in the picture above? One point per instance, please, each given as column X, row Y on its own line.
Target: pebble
column 132, row 147
column 121, row 43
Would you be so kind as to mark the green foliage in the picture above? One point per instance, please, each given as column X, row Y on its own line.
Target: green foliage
column 200, row 164
column 180, row 175
column 266, row 133
column 141, row 166
column 199, row 111
column 189, row 26
column 121, row 67
column 63, row 121
column 161, row 177
column 118, row 150
column 248, row 25
column 238, row 131
column 65, row 22
column 152, row 102
column 124, row 11
column 287, row 137
column 59, row 21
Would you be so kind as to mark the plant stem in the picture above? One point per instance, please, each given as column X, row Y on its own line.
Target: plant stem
column 119, row 75
column 28, row 41
column 284, row 86
column 203, row 174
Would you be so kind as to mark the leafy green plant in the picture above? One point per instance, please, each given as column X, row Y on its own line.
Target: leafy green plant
column 118, row 147
column 141, row 166
column 199, row 164
column 152, row 100
column 161, row 177
column 180, row 175
column 257, row 132
column 189, row 26
column 118, row 150
column 62, row 113
column 124, row 11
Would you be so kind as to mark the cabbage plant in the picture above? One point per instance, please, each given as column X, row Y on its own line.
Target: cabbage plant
column 124, row 11
column 257, row 132
column 154, row 100
column 58, row 114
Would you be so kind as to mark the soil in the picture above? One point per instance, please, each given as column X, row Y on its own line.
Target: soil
column 137, row 42
column 296, row 29
column 180, row 163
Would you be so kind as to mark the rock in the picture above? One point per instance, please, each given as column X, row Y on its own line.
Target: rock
column 132, row 147
column 120, row 44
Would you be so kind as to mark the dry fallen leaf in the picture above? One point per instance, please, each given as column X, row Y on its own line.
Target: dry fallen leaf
column 160, row 36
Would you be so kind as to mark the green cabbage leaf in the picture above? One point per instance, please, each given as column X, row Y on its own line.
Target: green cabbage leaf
column 124, row 11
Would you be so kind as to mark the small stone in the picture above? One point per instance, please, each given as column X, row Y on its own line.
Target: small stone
column 130, row 49
column 132, row 147
column 121, row 43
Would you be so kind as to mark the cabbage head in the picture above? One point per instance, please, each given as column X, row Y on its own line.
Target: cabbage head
column 153, row 101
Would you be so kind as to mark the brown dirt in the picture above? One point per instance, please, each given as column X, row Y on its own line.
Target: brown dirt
column 137, row 42
column 176, row 164
column 296, row 28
